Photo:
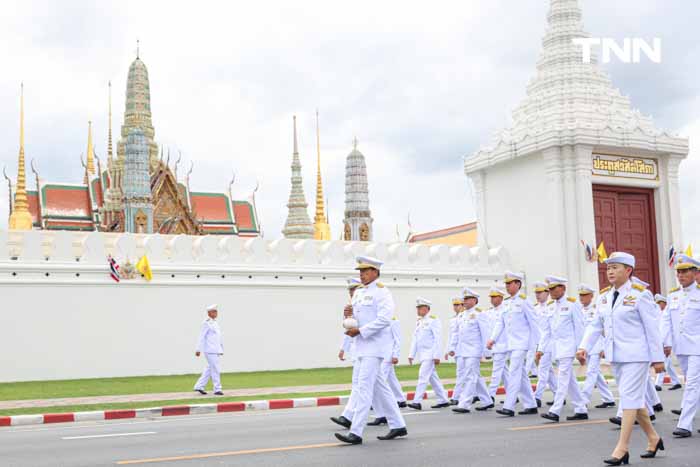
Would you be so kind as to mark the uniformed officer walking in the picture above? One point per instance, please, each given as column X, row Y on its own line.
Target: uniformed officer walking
column 373, row 307
column 630, row 324
column 681, row 330
column 211, row 345
column 565, row 330
column 457, row 307
column 499, row 351
column 546, row 378
column 467, row 345
column 518, row 323
column 661, row 303
column 594, row 375
column 426, row 348
column 388, row 373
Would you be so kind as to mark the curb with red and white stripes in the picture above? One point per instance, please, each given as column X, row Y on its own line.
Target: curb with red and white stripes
column 198, row 409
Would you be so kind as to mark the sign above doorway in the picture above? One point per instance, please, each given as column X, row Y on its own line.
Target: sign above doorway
column 607, row 165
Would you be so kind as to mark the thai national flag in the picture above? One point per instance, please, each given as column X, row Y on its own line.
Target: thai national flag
column 113, row 269
column 671, row 256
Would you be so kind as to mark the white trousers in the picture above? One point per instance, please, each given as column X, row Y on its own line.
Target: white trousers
column 652, row 396
column 594, row 378
column 518, row 384
column 472, row 383
column 546, row 378
column 670, row 371
column 567, row 385
column 389, row 374
column 428, row 375
column 691, row 392
column 499, row 372
column 373, row 390
column 213, row 371
column 530, row 366
column 349, row 410
column 459, row 385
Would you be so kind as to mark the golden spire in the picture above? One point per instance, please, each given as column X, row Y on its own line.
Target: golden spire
column 21, row 219
column 90, row 151
column 322, row 231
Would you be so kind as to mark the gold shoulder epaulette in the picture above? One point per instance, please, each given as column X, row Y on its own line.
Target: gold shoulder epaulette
column 605, row 289
column 638, row 287
column 479, row 309
column 380, row 285
column 523, row 296
column 571, row 299
column 549, row 302
column 697, row 285
column 394, row 318
column 433, row 316
column 675, row 289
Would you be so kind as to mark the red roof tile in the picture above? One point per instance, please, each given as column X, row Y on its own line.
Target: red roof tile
column 211, row 207
column 66, row 201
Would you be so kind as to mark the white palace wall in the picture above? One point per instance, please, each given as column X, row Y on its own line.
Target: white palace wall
column 62, row 316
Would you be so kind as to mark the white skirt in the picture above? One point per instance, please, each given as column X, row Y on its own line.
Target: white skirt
column 631, row 383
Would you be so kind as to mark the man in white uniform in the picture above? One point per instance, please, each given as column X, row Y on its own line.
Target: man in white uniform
column 499, row 352
column 211, row 345
column 518, row 323
column 468, row 342
column 348, row 347
column 681, row 334
column 546, row 378
column 457, row 307
column 594, row 376
column 565, row 330
column 372, row 306
column 426, row 348
column 389, row 373
column 661, row 303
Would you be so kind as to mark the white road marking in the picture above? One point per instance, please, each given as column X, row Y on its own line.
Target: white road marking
column 419, row 413
column 111, row 435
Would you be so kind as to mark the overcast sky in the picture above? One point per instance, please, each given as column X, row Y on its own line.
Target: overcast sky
column 420, row 84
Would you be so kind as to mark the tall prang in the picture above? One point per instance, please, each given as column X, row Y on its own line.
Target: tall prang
column 357, row 223
column 20, row 217
column 298, row 224
column 138, row 205
column 137, row 112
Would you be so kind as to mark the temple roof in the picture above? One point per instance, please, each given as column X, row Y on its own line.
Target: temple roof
column 63, row 207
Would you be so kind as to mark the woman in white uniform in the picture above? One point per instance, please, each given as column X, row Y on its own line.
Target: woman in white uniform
column 628, row 319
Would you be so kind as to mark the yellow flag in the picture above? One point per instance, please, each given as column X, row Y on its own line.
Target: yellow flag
column 602, row 254
column 689, row 250
column 144, row 268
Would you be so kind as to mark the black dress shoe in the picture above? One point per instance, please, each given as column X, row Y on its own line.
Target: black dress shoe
column 441, row 405
column 402, row 404
column 605, row 405
column 676, row 412
column 652, row 417
column 393, row 433
column 350, row 438
column 485, row 407
column 578, row 416
column 658, row 407
column 460, row 410
column 682, row 433
column 454, row 402
column 415, row 406
column 506, row 412
column 550, row 416
column 539, row 402
column 530, row 411
column 342, row 421
column 651, row 454
column 475, row 399
column 377, row 421
column 615, row 461
column 658, row 388
column 201, row 391
column 675, row 387
column 552, row 403
column 219, row 393
column 615, row 421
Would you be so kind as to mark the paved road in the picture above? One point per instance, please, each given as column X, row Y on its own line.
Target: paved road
column 304, row 437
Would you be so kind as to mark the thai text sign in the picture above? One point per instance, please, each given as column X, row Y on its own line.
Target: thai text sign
column 623, row 166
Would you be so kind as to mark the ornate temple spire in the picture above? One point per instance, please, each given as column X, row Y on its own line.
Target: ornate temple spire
column 90, row 152
column 358, row 218
column 110, row 156
column 21, row 219
column 322, row 230
column 298, row 224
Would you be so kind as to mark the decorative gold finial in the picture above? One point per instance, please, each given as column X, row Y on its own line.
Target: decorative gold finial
column 322, row 231
column 90, row 151
column 21, row 219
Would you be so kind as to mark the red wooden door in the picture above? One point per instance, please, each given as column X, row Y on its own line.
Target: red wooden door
column 625, row 221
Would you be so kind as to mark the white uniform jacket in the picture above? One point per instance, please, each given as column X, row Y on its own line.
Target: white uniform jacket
column 631, row 327
column 681, row 321
column 427, row 339
column 589, row 315
column 565, row 328
column 518, row 324
column 470, row 334
column 373, row 308
column 210, row 338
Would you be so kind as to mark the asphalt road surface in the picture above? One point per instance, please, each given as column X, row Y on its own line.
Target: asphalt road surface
column 304, row 437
